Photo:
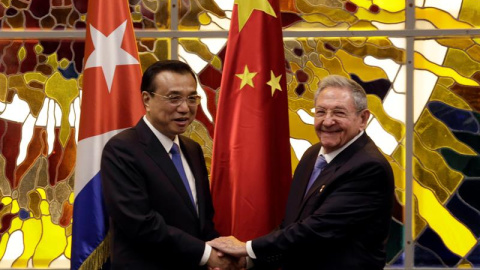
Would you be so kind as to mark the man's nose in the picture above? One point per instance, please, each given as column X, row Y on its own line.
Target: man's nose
column 328, row 120
column 183, row 107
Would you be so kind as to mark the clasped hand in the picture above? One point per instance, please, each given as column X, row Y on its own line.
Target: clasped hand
column 231, row 253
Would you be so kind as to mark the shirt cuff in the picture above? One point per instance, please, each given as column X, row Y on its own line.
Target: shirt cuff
column 250, row 252
column 206, row 255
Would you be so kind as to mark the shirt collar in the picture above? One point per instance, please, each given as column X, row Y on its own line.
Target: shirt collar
column 330, row 156
column 164, row 140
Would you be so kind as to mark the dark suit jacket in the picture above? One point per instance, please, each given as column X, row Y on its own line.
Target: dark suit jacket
column 342, row 223
column 153, row 224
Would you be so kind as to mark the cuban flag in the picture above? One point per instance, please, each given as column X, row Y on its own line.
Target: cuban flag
column 111, row 102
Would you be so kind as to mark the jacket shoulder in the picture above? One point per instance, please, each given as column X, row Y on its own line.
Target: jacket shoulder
column 126, row 135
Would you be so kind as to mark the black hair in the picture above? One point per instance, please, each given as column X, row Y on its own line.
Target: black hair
column 175, row 66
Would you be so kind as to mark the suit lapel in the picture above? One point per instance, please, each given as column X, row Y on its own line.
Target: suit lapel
column 299, row 184
column 190, row 152
column 325, row 178
column 157, row 152
column 328, row 176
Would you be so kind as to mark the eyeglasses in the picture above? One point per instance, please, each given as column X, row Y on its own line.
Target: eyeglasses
column 176, row 100
column 335, row 113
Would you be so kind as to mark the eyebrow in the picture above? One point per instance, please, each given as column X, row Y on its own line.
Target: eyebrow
column 335, row 108
column 176, row 92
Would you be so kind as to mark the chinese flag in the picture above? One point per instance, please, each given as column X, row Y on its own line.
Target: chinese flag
column 111, row 102
column 251, row 170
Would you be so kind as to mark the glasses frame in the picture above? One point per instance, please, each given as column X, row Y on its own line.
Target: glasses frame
column 332, row 115
column 172, row 99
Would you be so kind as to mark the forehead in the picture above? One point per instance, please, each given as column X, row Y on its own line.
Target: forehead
column 335, row 97
column 168, row 82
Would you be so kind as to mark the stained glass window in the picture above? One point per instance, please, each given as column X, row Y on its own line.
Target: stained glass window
column 446, row 153
column 422, row 82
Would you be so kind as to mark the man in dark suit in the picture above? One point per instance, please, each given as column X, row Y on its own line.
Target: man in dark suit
column 340, row 202
column 155, row 182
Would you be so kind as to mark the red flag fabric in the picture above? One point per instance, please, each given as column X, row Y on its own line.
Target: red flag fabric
column 111, row 102
column 251, row 166
column 112, row 74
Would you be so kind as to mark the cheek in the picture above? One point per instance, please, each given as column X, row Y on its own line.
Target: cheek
column 349, row 132
column 193, row 111
column 161, row 114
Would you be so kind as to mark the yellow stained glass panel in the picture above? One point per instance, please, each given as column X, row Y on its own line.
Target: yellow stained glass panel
column 456, row 236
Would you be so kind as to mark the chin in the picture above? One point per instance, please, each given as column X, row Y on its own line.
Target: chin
column 181, row 131
column 326, row 140
column 326, row 144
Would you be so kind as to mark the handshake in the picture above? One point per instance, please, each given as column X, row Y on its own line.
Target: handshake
column 228, row 253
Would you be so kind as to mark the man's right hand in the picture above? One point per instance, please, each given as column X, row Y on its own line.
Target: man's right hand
column 220, row 261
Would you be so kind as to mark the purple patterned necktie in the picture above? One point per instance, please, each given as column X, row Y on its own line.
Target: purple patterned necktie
column 317, row 169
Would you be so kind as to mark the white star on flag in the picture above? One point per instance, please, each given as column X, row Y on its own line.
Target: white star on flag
column 108, row 53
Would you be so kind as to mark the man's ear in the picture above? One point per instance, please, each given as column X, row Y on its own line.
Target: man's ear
column 364, row 115
column 146, row 97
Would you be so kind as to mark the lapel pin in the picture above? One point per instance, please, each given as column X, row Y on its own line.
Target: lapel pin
column 321, row 189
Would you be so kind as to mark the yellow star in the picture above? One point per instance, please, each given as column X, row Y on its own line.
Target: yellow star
column 247, row 77
column 246, row 7
column 274, row 82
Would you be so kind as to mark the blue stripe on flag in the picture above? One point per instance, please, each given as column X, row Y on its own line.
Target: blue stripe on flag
column 90, row 221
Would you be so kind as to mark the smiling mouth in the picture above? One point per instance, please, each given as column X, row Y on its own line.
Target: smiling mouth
column 183, row 120
column 330, row 131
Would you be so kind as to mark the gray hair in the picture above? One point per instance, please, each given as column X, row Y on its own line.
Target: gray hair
column 358, row 93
